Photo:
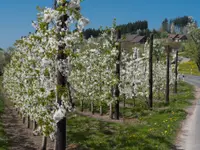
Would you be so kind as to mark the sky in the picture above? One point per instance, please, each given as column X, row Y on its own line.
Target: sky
column 16, row 15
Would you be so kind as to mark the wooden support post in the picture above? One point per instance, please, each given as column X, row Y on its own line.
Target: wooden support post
column 167, row 75
column 151, row 73
column 176, row 73
column 124, row 106
column 118, row 63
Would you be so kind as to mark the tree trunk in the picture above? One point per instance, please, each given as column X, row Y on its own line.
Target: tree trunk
column 44, row 143
column 61, row 135
column 34, row 125
column 117, row 91
column 198, row 65
column 101, row 110
column 111, row 111
column 92, row 107
column 28, row 122
column 81, row 105
column 61, row 83
column 151, row 73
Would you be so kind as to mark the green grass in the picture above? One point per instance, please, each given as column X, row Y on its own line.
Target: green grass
column 189, row 68
column 3, row 139
column 154, row 130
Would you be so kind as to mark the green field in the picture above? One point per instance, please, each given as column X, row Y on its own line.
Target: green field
column 189, row 68
column 3, row 139
column 153, row 129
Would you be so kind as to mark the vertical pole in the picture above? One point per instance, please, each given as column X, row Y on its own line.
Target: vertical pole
column 124, row 106
column 110, row 106
column 117, row 92
column 167, row 76
column 176, row 72
column 151, row 72
column 101, row 107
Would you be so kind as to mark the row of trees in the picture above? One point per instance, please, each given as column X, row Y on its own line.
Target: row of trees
column 72, row 68
column 176, row 25
column 41, row 91
column 91, row 32
column 192, row 46
column 97, row 73
column 138, row 27
column 133, row 27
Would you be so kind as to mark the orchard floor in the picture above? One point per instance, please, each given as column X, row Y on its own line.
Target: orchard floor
column 155, row 130
column 20, row 138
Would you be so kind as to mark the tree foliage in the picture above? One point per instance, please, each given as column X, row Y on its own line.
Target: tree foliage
column 192, row 47
column 165, row 25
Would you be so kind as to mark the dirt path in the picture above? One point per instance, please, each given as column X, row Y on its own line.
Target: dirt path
column 188, row 137
column 20, row 138
column 106, row 118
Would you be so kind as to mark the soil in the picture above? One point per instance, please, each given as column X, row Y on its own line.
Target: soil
column 20, row 137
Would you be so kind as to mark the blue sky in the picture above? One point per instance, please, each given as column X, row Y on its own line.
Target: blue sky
column 16, row 16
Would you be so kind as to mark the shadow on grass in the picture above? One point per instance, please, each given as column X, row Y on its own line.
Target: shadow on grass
column 91, row 134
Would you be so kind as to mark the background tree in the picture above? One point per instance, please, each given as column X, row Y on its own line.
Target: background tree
column 165, row 25
column 180, row 23
column 192, row 47
column 2, row 60
column 138, row 27
column 91, row 33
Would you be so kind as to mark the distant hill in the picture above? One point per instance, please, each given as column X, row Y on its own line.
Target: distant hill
column 138, row 27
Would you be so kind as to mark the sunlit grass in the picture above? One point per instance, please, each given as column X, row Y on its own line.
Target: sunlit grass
column 189, row 68
column 154, row 130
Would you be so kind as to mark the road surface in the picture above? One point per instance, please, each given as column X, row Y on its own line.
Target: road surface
column 189, row 138
column 194, row 80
